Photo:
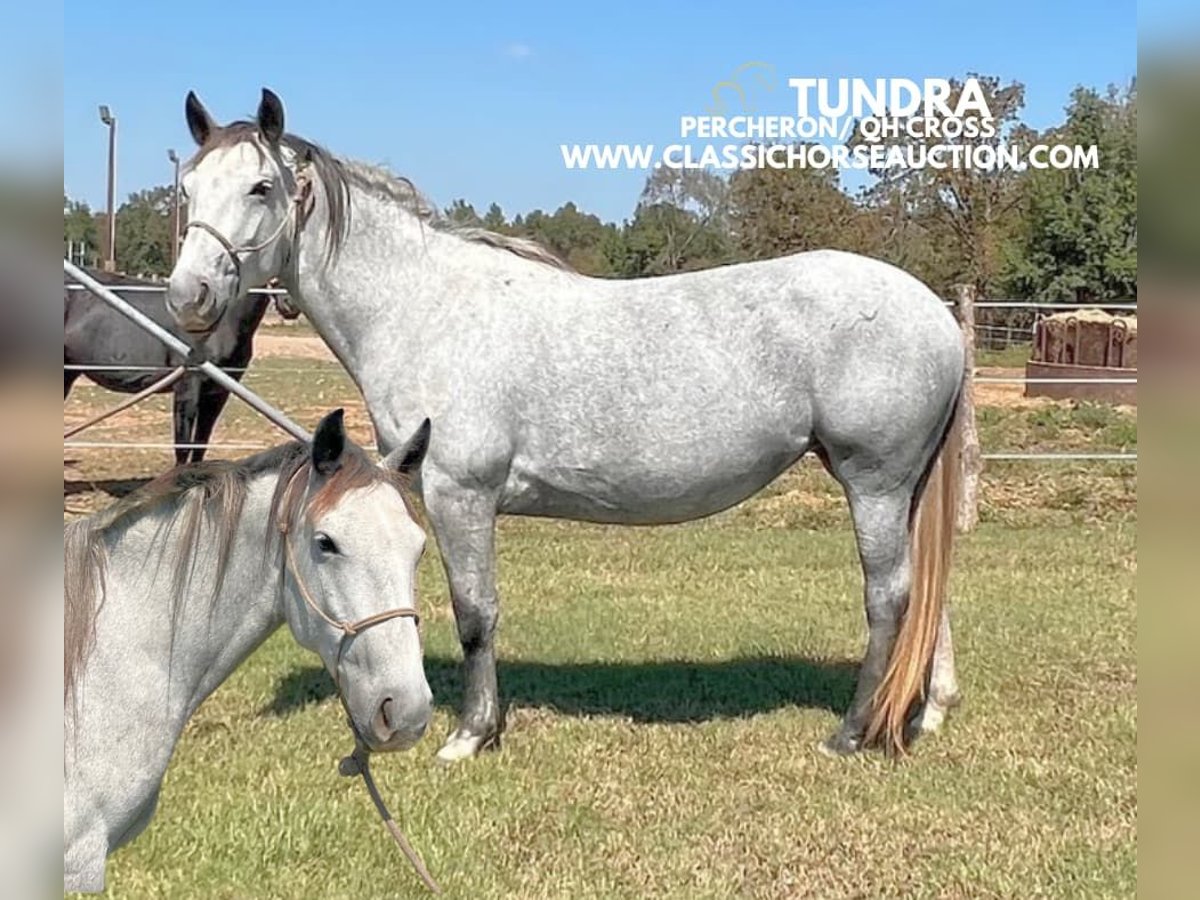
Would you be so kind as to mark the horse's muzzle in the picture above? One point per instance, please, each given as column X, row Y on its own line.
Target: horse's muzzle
column 199, row 312
column 399, row 722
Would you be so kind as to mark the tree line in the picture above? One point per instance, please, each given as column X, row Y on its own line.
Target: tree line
column 1042, row 234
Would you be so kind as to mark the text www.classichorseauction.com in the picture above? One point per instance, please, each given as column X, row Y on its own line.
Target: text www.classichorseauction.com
column 871, row 124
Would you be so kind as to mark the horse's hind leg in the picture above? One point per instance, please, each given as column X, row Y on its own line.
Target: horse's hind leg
column 881, row 527
column 944, row 694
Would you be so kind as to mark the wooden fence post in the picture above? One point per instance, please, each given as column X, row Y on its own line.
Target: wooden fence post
column 972, row 459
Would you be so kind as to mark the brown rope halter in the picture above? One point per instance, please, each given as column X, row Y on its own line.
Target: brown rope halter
column 358, row 762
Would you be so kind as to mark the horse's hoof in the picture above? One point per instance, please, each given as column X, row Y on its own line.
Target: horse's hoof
column 840, row 745
column 933, row 713
column 460, row 746
column 931, row 718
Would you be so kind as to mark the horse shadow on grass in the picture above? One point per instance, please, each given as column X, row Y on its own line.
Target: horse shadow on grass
column 664, row 692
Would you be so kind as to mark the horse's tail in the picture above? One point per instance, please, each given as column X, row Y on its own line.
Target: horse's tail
column 931, row 530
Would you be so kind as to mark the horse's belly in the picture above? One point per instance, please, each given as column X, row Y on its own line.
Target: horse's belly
column 650, row 488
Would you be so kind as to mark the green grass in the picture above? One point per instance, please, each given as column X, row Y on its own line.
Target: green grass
column 666, row 690
column 1013, row 357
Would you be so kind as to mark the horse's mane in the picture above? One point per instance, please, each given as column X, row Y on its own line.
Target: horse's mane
column 337, row 175
column 212, row 491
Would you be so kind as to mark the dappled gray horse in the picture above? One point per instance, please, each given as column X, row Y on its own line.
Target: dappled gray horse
column 170, row 589
column 638, row 402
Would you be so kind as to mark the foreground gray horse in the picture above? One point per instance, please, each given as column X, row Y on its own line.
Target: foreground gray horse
column 168, row 590
column 636, row 402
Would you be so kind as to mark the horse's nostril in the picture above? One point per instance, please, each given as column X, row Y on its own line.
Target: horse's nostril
column 203, row 294
column 385, row 713
column 397, row 723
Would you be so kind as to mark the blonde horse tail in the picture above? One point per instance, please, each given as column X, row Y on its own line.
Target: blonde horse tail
column 931, row 530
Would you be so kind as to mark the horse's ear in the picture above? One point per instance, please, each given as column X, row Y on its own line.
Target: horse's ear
column 199, row 122
column 408, row 459
column 270, row 117
column 328, row 443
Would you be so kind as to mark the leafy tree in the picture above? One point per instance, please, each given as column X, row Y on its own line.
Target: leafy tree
column 494, row 219
column 774, row 212
column 581, row 239
column 144, row 233
column 966, row 211
column 681, row 222
column 1078, row 236
column 908, row 237
column 81, row 228
column 463, row 213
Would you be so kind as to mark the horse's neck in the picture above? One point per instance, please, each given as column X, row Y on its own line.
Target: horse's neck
column 396, row 285
column 202, row 637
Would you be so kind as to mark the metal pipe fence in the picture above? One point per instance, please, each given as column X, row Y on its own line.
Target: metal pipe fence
column 184, row 352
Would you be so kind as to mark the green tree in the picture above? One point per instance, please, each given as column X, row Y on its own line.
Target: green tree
column 144, row 233
column 1079, row 229
column 463, row 213
column 967, row 212
column 908, row 236
column 580, row 238
column 681, row 223
column 80, row 230
column 774, row 212
column 494, row 220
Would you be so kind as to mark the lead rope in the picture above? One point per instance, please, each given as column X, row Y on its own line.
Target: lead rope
column 359, row 760
column 358, row 763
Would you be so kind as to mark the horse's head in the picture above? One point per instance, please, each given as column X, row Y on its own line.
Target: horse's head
column 243, row 205
column 351, row 548
column 286, row 307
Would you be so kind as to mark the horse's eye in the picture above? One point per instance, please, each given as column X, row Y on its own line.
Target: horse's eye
column 325, row 543
column 261, row 189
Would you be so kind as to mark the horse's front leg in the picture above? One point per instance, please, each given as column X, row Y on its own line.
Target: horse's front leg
column 464, row 522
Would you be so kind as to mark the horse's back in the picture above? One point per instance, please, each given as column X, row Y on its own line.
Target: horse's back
column 96, row 334
column 669, row 398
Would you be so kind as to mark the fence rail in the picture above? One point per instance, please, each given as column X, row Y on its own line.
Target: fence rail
column 161, row 288
column 183, row 351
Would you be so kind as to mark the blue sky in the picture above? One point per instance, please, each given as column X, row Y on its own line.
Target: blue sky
column 473, row 101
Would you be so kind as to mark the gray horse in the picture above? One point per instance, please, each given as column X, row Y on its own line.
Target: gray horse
column 314, row 536
column 636, row 402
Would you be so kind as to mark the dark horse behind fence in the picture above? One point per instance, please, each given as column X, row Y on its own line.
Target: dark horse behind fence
column 97, row 335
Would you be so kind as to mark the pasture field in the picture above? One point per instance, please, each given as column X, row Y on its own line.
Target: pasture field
column 666, row 690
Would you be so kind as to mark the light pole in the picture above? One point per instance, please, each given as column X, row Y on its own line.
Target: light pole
column 174, row 158
column 106, row 116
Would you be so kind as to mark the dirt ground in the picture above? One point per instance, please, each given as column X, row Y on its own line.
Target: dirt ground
column 296, row 346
